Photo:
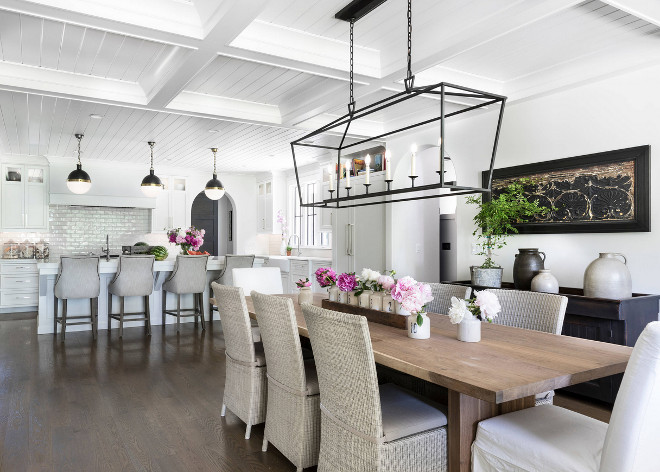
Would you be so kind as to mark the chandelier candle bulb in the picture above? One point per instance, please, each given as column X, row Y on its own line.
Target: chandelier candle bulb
column 413, row 150
column 367, row 162
column 388, row 156
column 348, row 174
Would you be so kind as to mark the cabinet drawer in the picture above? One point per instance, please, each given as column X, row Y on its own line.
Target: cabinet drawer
column 14, row 282
column 18, row 268
column 11, row 299
column 300, row 267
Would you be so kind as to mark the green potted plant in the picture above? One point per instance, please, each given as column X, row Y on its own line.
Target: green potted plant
column 288, row 250
column 494, row 223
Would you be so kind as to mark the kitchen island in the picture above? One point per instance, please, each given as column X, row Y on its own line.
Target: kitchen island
column 107, row 269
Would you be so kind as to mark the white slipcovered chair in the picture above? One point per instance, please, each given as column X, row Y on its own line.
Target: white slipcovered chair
column 532, row 310
column 267, row 280
column 550, row 438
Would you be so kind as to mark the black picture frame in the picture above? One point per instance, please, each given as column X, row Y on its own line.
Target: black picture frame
column 640, row 155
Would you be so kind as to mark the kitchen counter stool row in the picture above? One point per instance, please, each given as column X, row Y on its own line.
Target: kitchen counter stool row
column 79, row 279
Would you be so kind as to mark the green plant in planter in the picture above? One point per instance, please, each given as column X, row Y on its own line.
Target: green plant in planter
column 289, row 248
column 496, row 217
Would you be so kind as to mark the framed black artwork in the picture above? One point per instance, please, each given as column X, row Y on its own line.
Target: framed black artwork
column 596, row 193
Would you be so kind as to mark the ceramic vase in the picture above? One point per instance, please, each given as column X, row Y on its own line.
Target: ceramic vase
column 399, row 310
column 544, row 281
column 376, row 301
column 343, row 297
column 333, row 293
column 305, row 295
column 469, row 330
column 351, row 299
column 416, row 331
column 388, row 303
column 363, row 299
column 608, row 277
column 528, row 263
column 283, row 247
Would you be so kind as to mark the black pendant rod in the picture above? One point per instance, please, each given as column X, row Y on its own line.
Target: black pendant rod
column 357, row 9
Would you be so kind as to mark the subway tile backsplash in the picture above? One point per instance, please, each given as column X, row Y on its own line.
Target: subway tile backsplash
column 81, row 229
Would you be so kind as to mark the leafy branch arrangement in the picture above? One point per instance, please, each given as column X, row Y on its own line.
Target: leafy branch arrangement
column 496, row 217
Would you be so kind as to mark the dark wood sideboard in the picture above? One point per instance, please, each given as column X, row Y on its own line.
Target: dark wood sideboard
column 601, row 319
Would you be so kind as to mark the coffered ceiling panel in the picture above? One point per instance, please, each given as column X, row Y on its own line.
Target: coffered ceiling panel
column 40, row 42
column 37, row 125
column 252, row 81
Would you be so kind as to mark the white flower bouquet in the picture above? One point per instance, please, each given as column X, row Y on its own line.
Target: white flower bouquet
column 484, row 306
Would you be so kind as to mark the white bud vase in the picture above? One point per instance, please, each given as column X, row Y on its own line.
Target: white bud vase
column 469, row 330
column 343, row 297
column 363, row 299
column 388, row 303
column 351, row 299
column 416, row 331
column 333, row 293
column 376, row 301
column 305, row 295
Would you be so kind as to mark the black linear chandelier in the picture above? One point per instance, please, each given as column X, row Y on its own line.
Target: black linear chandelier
column 464, row 98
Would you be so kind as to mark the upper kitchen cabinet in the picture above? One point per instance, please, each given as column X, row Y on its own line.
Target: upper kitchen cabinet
column 270, row 199
column 24, row 197
column 170, row 211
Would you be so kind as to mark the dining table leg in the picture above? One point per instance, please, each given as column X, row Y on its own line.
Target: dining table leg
column 464, row 414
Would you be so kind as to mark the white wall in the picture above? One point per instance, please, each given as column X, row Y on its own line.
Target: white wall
column 614, row 113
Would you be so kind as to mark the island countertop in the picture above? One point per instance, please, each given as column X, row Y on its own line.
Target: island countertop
column 110, row 267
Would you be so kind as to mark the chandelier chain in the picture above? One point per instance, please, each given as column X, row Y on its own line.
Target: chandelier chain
column 214, row 159
column 79, row 151
column 151, row 145
column 409, row 39
column 351, row 99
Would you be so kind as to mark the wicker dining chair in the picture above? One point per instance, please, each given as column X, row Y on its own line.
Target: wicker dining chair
column 442, row 294
column 232, row 261
column 366, row 427
column 293, row 415
column 245, row 378
column 532, row 310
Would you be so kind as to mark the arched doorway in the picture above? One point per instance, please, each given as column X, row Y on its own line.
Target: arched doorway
column 217, row 218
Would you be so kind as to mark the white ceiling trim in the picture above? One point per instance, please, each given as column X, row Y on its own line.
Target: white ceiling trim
column 647, row 10
column 288, row 43
column 32, row 79
column 223, row 107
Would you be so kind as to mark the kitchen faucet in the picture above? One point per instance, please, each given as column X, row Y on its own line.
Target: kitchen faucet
column 106, row 250
column 297, row 239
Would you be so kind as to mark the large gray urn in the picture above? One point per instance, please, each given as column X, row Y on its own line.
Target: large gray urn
column 608, row 277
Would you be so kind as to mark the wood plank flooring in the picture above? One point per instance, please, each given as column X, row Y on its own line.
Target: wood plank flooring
column 137, row 404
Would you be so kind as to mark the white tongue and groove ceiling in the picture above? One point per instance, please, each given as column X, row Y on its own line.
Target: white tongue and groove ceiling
column 251, row 76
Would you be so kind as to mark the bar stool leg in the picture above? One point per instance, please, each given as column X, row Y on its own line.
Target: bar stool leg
column 147, row 314
column 121, row 317
column 96, row 317
column 200, row 305
column 109, row 312
column 57, row 302
column 195, row 310
column 164, row 307
column 178, row 312
column 92, row 317
column 64, row 307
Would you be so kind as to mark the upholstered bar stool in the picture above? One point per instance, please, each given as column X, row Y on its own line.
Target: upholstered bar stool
column 134, row 278
column 78, row 278
column 188, row 276
column 232, row 261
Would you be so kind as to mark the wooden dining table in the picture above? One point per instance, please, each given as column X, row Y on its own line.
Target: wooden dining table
column 500, row 374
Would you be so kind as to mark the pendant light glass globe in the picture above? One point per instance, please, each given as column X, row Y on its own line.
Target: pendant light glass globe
column 78, row 180
column 151, row 184
column 214, row 189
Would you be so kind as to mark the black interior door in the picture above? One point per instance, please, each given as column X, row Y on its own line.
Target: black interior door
column 204, row 215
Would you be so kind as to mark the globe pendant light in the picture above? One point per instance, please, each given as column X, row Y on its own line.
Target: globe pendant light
column 151, row 184
column 214, row 188
column 78, row 181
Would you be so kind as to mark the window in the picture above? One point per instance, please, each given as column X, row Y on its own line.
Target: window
column 304, row 221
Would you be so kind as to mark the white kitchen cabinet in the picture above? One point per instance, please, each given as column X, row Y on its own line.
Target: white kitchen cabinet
column 171, row 207
column 265, row 207
column 19, row 284
column 24, row 197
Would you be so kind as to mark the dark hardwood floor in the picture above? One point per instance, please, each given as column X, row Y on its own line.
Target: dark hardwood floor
column 138, row 404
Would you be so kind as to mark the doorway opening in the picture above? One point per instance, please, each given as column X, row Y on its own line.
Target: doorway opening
column 217, row 217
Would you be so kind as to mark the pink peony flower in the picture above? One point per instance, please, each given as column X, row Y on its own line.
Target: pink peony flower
column 347, row 282
column 386, row 282
column 411, row 294
column 325, row 276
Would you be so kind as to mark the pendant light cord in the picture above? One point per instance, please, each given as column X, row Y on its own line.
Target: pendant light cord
column 410, row 78
column 80, row 136
column 351, row 99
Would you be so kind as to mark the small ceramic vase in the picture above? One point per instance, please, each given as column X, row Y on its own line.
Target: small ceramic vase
column 544, row 281
column 388, row 303
column 376, row 301
column 416, row 331
column 363, row 299
column 333, row 293
column 305, row 295
column 352, row 299
column 343, row 297
column 469, row 330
